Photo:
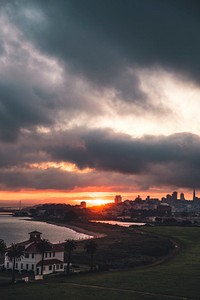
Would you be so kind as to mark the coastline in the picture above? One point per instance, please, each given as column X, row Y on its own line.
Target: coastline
column 117, row 244
column 79, row 227
column 92, row 234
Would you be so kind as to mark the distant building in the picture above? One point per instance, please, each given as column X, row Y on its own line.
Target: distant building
column 32, row 259
column 83, row 204
column 174, row 196
column 138, row 199
column 194, row 195
column 164, row 208
column 118, row 199
column 182, row 197
column 168, row 197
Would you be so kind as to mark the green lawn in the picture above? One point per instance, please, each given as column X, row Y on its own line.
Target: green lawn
column 179, row 277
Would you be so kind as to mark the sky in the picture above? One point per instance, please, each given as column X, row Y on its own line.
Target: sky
column 98, row 98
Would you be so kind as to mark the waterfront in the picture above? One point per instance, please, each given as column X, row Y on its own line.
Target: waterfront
column 16, row 229
column 120, row 223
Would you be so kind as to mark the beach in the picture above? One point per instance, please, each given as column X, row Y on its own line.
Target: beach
column 93, row 229
column 88, row 228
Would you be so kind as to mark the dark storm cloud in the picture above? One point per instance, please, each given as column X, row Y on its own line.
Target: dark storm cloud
column 148, row 161
column 54, row 179
column 18, row 111
column 101, row 39
column 94, row 49
column 33, row 91
column 106, row 150
column 102, row 42
column 37, row 179
column 146, row 32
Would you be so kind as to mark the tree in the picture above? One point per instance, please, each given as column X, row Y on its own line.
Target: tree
column 91, row 247
column 2, row 247
column 69, row 247
column 13, row 253
column 2, row 250
column 42, row 247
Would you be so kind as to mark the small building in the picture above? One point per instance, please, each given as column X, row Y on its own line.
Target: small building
column 118, row 199
column 83, row 204
column 164, row 209
column 32, row 259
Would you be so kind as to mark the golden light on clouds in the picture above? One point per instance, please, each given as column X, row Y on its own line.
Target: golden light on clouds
column 65, row 166
column 177, row 99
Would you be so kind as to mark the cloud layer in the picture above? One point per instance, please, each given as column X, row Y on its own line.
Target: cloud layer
column 73, row 89
column 41, row 160
column 100, row 39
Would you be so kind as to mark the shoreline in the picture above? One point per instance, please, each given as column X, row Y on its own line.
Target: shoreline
column 77, row 228
column 117, row 244
column 92, row 234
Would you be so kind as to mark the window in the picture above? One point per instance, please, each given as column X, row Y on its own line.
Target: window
column 45, row 254
column 50, row 268
column 22, row 266
column 26, row 266
column 26, row 255
column 57, row 267
column 7, row 265
column 49, row 254
column 61, row 266
column 32, row 255
column 16, row 265
column 54, row 254
column 32, row 267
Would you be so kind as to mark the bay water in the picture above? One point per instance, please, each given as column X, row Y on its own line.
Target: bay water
column 16, row 229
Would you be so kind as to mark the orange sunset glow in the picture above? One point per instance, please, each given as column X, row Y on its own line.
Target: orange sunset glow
column 32, row 197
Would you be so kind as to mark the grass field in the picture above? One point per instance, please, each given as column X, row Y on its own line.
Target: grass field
column 178, row 278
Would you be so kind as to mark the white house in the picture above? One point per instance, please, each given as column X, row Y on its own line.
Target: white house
column 32, row 259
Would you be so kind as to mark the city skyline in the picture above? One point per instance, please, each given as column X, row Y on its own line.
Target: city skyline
column 98, row 98
column 94, row 200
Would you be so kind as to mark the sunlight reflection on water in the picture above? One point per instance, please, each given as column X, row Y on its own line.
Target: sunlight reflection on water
column 16, row 229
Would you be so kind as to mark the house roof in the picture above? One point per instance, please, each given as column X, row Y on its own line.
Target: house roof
column 35, row 232
column 30, row 246
column 23, row 244
column 50, row 262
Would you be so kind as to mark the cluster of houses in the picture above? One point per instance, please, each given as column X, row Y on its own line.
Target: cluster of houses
column 147, row 209
column 32, row 258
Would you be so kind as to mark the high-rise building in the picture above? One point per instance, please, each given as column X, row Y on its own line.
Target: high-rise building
column 118, row 199
column 83, row 204
column 194, row 195
column 174, row 196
